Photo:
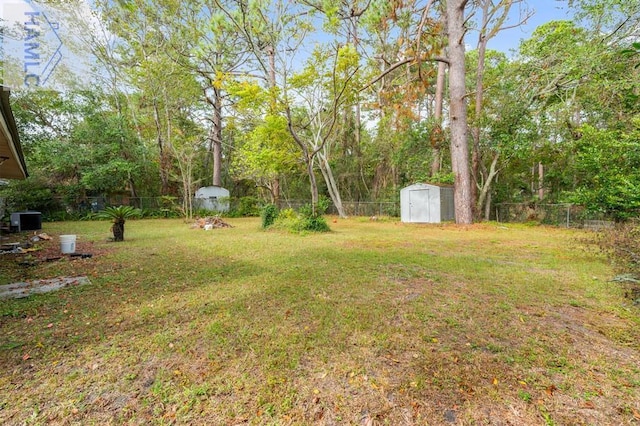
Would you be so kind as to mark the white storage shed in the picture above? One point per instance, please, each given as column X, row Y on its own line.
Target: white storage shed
column 426, row 203
column 214, row 198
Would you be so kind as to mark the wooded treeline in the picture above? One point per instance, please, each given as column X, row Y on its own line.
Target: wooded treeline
column 352, row 100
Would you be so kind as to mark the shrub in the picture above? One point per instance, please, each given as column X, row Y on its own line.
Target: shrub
column 118, row 216
column 302, row 221
column 288, row 220
column 160, row 213
column 621, row 245
column 169, row 208
column 321, row 208
column 205, row 213
column 269, row 215
column 244, row 207
column 29, row 194
column 315, row 224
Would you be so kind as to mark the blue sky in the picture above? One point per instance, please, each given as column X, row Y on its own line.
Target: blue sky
column 545, row 11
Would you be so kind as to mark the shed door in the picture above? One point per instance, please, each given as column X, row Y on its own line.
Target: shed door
column 419, row 205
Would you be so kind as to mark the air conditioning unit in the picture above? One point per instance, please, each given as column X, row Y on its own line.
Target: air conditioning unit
column 26, row 221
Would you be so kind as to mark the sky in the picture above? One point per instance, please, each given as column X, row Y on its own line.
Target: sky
column 53, row 53
column 544, row 11
column 35, row 49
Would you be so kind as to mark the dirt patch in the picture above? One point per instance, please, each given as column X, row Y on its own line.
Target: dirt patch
column 599, row 345
column 49, row 250
column 591, row 335
column 44, row 259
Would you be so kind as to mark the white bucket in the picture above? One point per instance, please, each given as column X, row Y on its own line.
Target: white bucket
column 67, row 244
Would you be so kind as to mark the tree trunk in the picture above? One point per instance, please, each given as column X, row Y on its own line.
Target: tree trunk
column 475, row 154
column 437, row 114
column 275, row 184
column 118, row 230
column 272, row 66
column 358, row 113
column 133, row 192
column 486, row 185
column 275, row 191
column 185, row 162
column 164, row 157
column 313, row 184
column 496, row 14
column 217, row 138
column 487, row 208
column 540, row 181
column 308, row 161
column 327, row 173
column 483, row 38
column 458, row 113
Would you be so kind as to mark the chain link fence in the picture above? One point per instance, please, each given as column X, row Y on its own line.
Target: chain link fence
column 351, row 208
column 95, row 204
column 566, row 215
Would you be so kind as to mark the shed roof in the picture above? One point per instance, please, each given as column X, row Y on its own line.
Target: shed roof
column 12, row 164
column 422, row 185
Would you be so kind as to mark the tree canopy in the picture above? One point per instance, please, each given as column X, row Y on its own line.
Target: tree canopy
column 349, row 100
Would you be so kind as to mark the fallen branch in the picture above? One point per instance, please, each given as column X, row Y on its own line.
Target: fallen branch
column 210, row 222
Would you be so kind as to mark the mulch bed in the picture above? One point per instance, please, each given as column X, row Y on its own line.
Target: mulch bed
column 21, row 266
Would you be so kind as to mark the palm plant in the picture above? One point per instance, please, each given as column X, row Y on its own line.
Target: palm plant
column 119, row 215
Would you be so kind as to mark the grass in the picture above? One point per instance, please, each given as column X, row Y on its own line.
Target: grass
column 373, row 323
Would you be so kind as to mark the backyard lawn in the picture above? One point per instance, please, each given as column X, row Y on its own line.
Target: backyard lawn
column 373, row 323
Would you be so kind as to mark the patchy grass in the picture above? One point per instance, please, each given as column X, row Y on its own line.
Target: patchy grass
column 373, row 323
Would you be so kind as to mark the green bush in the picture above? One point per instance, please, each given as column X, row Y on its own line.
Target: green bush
column 315, row 224
column 169, row 208
column 29, row 194
column 269, row 215
column 161, row 213
column 321, row 208
column 288, row 220
column 607, row 178
column 245, row 207
column 621, row 245
column 303, row 221
column 205, row 213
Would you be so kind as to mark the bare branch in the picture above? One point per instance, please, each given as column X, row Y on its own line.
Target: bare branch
column 401, row 63
column 352, row 12
column 616, row 30
column 523, row 20
column 423, row 21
